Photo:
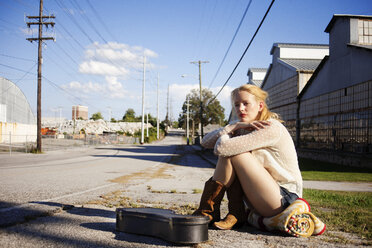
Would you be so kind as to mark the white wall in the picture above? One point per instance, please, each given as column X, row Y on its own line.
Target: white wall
column 303, row 53
column 19, row 132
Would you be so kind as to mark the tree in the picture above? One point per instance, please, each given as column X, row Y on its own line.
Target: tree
column 213, row 112
column 96, row 116
column 129, row 116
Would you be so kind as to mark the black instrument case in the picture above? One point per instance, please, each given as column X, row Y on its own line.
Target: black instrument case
column 163, row 223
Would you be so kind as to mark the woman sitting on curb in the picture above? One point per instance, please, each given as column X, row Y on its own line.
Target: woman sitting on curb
column 257, row 163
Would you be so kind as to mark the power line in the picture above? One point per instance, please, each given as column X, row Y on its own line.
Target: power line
column 245, row 51
column 72, row 18
column 87, row 20
column 63, row 7
column 100, row 20
column 232, row 41
column 26, row 73
column 13, row 57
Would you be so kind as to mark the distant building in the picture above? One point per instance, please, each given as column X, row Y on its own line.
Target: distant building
column 335, row 107
column 292, row 66
column 79, row 112
column 256, row 76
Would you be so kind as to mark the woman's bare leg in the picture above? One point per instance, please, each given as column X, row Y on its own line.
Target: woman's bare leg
column 224, row 172
column 258, row 185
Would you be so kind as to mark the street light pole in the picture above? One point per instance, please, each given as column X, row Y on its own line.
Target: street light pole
column 187, row 119
column 143, row 102
column 201, row 99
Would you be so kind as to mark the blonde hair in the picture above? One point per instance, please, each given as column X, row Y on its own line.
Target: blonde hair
column 260, row 96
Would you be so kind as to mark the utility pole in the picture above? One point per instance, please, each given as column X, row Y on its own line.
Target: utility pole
column 143, row 102
column 109, row 113
column 167, row 115
column 201, row 99
column 60, row 118
column 157, row 109
column 147, row 123
column 39, row 39
column 187, row 119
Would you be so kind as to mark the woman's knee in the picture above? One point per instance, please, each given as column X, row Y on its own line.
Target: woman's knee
column 247, row 156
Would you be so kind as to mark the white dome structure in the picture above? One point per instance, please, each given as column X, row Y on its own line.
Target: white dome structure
column 14, row 106
column 17, row 122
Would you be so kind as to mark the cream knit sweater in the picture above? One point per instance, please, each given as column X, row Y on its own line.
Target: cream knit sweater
column 272, row 146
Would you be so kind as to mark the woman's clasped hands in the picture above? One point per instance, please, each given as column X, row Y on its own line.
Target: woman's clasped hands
column 250, row 126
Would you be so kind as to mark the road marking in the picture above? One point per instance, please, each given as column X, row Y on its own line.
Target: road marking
column 57, row 198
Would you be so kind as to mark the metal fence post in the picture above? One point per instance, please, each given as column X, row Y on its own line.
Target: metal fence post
column 26, row 143
column 10, row 143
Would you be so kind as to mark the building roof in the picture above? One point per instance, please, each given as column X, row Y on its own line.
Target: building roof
column 297, row 45
column 256, row 82
column 258, row 69
column 301, row 64
column 315, row 74
column 368, row 47
column 336, row 16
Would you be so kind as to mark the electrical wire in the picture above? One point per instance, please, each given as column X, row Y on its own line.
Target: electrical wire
column 100, row 19
column 13, row 57
column 232, row 41
column 15, row 83
column 245, row 51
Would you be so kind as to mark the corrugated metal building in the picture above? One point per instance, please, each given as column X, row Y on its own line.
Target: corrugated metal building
column 16, row 117
column 335, row 107
column 256, row 76
column 291, row 68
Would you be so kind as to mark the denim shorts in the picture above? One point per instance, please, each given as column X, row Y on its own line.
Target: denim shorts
column 287, row 197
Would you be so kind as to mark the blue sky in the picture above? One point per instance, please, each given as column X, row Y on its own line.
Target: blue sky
column 97, row 58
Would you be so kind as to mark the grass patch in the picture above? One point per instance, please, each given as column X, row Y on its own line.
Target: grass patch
column 324, row 171
column 197, row 191
column 343, row 211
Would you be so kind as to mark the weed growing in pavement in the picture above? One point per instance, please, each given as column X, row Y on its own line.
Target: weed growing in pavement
column 197, row 191
column 343, row 211
column 184, row 209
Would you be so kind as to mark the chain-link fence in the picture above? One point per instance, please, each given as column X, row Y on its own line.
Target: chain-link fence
column 11, row 143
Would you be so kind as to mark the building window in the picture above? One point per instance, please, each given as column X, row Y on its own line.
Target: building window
column 365, row 32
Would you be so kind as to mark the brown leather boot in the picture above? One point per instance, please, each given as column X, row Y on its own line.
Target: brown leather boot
column 237, row 215
column 211, row 200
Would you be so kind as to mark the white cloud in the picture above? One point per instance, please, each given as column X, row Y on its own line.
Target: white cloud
column 114, row 59
column 179, row 91
column 112, row 88
column 102, row 68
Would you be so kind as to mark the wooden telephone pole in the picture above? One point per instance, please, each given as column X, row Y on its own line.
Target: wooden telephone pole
column 39, row 39
column 201, row 98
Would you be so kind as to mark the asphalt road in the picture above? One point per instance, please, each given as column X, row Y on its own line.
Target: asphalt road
column 67, row 198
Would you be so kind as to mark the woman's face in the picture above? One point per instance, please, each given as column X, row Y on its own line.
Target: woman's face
column 246, row 106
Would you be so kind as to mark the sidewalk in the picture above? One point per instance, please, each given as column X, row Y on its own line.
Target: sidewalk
column 322, row 185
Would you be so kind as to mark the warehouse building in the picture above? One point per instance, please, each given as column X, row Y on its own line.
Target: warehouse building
column 291, row 68
column 256, row 76
column 324, row 93
column 335, row 107
column 17, row 122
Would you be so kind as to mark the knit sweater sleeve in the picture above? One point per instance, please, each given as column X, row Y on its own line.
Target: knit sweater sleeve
column 210, row 139
column 229, row 146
